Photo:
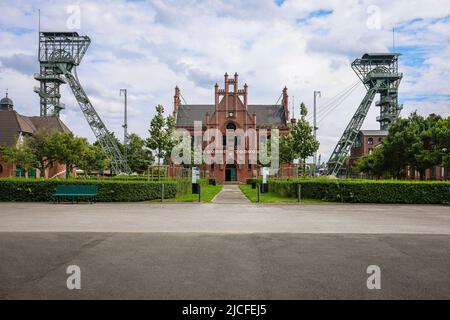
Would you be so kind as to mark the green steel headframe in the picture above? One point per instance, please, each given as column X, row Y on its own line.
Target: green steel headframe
column 379, row 74
column 59, row 54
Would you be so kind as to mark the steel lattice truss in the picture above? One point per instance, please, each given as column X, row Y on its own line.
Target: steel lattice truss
column 59, row 54
column 379, row 74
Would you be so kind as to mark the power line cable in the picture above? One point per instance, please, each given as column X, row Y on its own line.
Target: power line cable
column 332, row 101
column 338, row 103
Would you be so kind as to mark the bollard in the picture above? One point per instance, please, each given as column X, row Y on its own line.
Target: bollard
column 299, row 192
column 199, row 192
column 162, row 192
column 259, row 192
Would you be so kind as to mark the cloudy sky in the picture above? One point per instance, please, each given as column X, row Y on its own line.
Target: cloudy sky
column 149, row 47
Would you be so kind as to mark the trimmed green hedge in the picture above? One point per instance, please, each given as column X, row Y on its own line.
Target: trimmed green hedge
column 253, row 180
column 108, row 191
column 366, row 191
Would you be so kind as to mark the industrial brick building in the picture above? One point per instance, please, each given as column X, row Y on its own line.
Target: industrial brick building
column 14, row 128
column 368, row 140
column 231, row 110
column 365, row 143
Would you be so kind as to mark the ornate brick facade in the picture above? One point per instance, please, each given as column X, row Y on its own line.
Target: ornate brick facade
column 231, row 110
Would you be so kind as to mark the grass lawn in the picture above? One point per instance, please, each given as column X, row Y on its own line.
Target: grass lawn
column 208, row 193
column 271, row 197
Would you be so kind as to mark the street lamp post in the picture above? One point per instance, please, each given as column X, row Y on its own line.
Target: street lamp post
column 316, row 93
column 125, row 125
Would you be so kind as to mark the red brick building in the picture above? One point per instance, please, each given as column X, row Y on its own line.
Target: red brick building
column 369, row 139
column 366, row 141
column 231, row 110
column 14, row 128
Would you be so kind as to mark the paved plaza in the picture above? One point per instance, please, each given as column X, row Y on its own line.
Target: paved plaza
column 229, row 249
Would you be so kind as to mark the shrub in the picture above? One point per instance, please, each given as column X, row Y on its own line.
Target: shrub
column 366, row 191
column 108, row 190
column 253, row 180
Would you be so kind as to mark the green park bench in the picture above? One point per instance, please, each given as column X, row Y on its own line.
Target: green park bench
column 75, row 192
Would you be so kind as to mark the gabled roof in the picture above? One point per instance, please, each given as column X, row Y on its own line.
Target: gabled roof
column 49, row 123
column 12, row 124
column 188, row 113
column 374, row 132
column 266, row 115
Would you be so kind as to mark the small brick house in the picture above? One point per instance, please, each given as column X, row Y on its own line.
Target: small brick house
column 14, row 128
column 231, row 110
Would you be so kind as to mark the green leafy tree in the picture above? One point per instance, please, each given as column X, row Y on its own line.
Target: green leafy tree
column 373, row 163
column 21, row 155
column 286, row 150
column 94, row 158
column 416, row 142
column 117, row 142
column 139, row 156
column 65, row 148
column 37, row 144
column 303, row 143
column 442, row 136
column 169, row 131
column 160, row 140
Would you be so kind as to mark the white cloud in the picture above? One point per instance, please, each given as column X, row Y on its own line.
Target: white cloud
column 149, row 47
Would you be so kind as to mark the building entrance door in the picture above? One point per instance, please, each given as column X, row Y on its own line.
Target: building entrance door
column 230, row 172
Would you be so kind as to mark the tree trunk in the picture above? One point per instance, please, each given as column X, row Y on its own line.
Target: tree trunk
column 159, row 163
column 422, row 174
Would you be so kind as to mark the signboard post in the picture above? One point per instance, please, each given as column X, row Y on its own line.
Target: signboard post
column 265, row 184
column 195, row 176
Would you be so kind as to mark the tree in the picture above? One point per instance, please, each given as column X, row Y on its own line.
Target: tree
column 171, row 142
column 286, row 150
column 442, row 135
column 139, row 156
column 160, row 140
column 373, row 163
column 65, row 148
column 94, row 158
column 303, row 143
column 416, row 142
column 21, row 155
column 37, row 144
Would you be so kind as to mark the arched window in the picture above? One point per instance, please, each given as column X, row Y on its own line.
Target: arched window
column 231, row 126
column 1, row 169
column 370, row 141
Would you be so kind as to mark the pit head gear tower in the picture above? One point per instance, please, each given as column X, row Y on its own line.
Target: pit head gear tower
column 59, row 55
column 379, row 74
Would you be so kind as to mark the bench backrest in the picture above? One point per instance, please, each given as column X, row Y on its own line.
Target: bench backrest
column 76, row 189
